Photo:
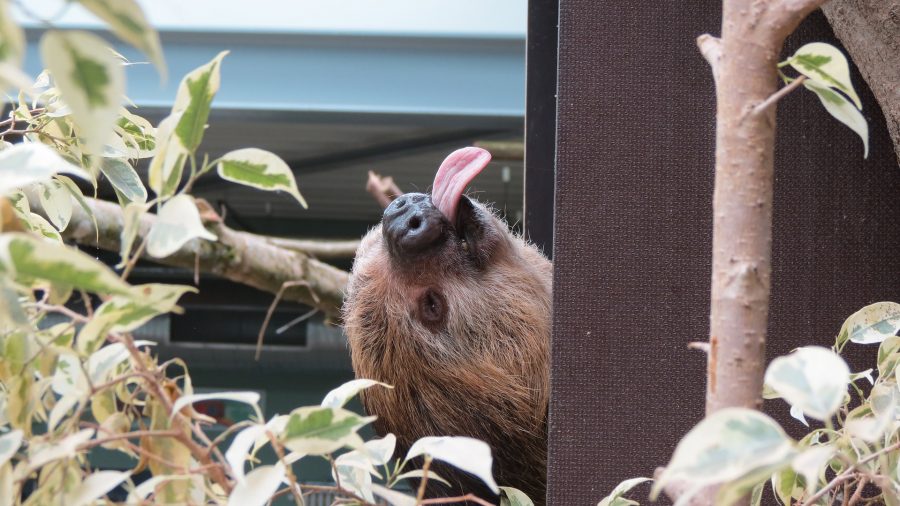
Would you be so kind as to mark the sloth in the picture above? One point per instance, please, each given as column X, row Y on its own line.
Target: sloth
column 452, row 308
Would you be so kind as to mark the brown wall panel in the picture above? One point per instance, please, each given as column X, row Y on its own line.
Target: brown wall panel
column 632, row 236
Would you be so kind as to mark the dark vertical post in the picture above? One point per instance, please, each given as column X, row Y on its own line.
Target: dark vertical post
column 632, row 234
column 540, row 122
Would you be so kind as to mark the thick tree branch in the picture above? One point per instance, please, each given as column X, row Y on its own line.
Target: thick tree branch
column 321, row 249
column 870, row 31
column 238, row 256
column 382, row 188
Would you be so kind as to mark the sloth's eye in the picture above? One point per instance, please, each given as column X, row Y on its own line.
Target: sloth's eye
column 465, row 245
column 432, row 308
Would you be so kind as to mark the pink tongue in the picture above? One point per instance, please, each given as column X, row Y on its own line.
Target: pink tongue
column 454, row 174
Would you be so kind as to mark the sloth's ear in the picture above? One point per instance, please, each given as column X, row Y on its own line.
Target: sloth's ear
column 474, row 225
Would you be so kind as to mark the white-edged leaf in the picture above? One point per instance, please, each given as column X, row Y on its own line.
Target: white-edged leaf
column 28, row 256
column 142, row 491
column 810, row 462
column 465, row 453
column 30, row 162
column 9, row 445
column 514, row 497
column 356, row 479
column 615, row 497
column 381, row 450
column 313, row 430
column 73, row 189
column 57, row 203
column 881, row 413
column 131, row 225
column 812, row 378
column 65, row 448
column 90, row 79
column 249, row 398
column 166, row 167
column 729, row 445
column 826, row 65
column 867, row 374
column 871, row 324
column 260, row 169
column 393, row 497
column 127, row 21
column 177, row 223
column 842, row 110
column 432, row 476
column 258, row 486
column 797, row 414
column 12, row 37
column 95, row 486
column 103, row 361
column 240, row 449
column 194, row 100
column 888, row 356
column 37, row 224
column 339, row 397
column 124, row 178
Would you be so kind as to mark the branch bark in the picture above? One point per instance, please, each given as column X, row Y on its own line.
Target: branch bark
column 383, row 189
column 238, row 256
column 870, row 31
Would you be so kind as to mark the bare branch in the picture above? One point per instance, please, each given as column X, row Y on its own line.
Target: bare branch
column 382, row 188
column 237, row 256
column 323, row 250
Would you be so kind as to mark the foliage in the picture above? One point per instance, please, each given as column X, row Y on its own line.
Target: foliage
column 739, row 450
column 72, row 381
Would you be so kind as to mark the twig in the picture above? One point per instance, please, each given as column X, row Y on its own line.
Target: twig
column 305, row 316
column 857, row 494
column 382, row 189
column 421, row 494
column 461, row 498
column 265, row 324
column 848, row 473
column 778, row 95
column 129, row 435
column 289, row 471
column 699, row 345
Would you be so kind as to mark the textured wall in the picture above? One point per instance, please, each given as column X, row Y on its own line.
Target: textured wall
column 632, row 240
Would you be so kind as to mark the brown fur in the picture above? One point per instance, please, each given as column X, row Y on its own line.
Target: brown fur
column 483, row 372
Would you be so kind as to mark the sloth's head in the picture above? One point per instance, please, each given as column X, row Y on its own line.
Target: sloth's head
column 444, row 279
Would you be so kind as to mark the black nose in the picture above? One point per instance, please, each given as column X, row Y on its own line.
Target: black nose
column 411, row 225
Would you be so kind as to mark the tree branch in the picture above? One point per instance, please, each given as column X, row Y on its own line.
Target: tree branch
column 382, row 188
column 237, row 256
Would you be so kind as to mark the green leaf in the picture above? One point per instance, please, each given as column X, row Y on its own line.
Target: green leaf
column 167, row 165
column 57, row 203
column 37, row 224
column 91, row 81
column 871, row 422
column 194, row 100
column 339, row 397
column 27, row 163
column 871, row 324
column 258, row 486
column 826, row 65
column 840, row 107
column 31, row 257
column 177, row 223
column 784, row 483
column 465, row 453
column 515, row 497
column 812, row 378
column 260, row 169
column 127, row 21
column 730, row 445
column 317, row 431
column 615, row 498
column 12, row 316
column 137, row 134
column 123, row 176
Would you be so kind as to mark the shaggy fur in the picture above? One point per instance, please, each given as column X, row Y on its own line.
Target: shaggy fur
column 482, row 370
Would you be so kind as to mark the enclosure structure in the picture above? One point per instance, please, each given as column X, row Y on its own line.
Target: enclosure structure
column 633, row 220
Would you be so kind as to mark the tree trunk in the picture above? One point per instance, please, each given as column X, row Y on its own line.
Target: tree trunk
column 744, row 66
column 870, row 31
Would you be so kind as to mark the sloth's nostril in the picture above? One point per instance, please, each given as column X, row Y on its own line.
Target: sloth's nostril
column 415, row 222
